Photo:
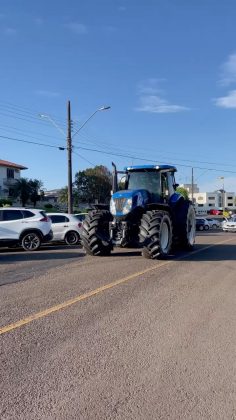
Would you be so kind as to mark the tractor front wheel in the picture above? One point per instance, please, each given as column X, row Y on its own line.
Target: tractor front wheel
column 156, row 234
column 95, row 236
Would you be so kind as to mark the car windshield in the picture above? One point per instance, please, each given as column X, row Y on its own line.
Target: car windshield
column 147, row 180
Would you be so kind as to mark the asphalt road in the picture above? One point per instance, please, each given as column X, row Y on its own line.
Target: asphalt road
column 119, row 337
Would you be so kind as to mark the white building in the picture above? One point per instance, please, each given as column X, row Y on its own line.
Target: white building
column 9, row 173
column 206, row 201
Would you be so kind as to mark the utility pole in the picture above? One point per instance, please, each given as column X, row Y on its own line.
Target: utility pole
column 69, row 160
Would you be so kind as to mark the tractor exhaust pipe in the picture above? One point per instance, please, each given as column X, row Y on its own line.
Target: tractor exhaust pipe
column 114, row 178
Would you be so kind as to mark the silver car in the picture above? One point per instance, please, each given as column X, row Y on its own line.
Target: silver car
column 229, row 225
column 66, row 228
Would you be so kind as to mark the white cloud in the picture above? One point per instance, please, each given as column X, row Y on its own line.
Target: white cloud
column 47, row 93
column 150, row 86
column 109, row 29
column 122, row 8
column 39, row 21
column 151, row 98
column 10, row 31
column 229, row 71
column 228, row 101
column 77, row 28
column 156, row 104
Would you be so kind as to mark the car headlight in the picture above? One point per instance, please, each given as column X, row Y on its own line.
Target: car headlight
column 112, row 207
column 128, row 206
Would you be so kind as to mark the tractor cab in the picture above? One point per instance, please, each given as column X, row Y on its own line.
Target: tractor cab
column 144, row 185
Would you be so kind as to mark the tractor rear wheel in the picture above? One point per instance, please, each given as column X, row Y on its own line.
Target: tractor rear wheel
column 186, row 225
column 95, row 236
column 156, row 234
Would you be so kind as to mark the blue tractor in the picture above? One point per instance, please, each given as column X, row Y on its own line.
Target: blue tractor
column 147, row 213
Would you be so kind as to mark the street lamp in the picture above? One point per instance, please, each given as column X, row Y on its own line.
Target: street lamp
column 47, row 117
column 222, row 178
column 69, row 145
column 103, row 108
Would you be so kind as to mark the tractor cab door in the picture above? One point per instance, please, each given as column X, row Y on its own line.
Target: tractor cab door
column 164, row 187
column 167, row 185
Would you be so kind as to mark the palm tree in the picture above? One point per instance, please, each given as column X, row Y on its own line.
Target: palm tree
column 22, row 190
column 35, row 187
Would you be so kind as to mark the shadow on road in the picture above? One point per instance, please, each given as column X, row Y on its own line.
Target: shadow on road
column 221, row 252
column 44, row 254
column 218, row 252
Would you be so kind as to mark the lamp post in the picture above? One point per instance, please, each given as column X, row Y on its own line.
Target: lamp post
column 223, row 192
column 70, row 146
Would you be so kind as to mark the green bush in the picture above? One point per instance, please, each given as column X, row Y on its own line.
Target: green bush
column 48, row 206
column 5, row 202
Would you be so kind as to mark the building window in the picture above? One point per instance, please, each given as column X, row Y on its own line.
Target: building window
column 10, row 173
column 211, row 198
column 200, row 205
column 229, row 198
column 210, row 205
column 230, row 204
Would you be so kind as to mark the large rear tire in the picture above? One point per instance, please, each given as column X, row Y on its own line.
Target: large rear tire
column 156, row 234
column 186, row 225
column 95, row 233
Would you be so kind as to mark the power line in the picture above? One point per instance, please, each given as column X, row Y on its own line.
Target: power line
column 23, row 111
column 117, row 155
column 82, row 157
column 32, row 142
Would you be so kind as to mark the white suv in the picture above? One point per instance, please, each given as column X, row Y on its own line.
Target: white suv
column 65, row 227
column 25, row 227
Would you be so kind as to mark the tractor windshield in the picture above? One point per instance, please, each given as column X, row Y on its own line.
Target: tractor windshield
column 147, row 180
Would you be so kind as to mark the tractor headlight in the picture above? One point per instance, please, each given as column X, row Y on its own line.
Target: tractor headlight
column 128, row 206
column 112, row 207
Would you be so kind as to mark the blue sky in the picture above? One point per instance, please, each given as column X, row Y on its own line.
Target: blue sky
column 167, row 69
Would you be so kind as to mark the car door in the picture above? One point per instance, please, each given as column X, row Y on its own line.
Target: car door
column 10, row 223
column 60, row 225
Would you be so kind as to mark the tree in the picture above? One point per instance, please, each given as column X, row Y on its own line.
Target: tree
column 63, row 195
column 93, row 184
column 35, row 187
column 27, row 189
column 183, row 191
column 22, row 190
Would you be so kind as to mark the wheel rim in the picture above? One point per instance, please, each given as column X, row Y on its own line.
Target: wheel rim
column 31, row 241
column 72, row 238
column 164, row 236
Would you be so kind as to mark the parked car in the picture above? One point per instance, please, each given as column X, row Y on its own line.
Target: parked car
column 80, row 216
column 28, row 228
column 202, row 224
column 214, row 223
column 216, row 212
column 229, row 225
column 66, row 227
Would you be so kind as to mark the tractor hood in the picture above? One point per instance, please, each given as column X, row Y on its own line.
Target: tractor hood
column 125, row 201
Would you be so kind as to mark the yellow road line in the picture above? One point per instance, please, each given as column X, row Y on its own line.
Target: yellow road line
column 95, row 292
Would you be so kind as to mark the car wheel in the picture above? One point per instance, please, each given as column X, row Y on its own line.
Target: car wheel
column 206, row 227
column 201, row 228
column 214, row 226
column 72, row 238
column 31, row 241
